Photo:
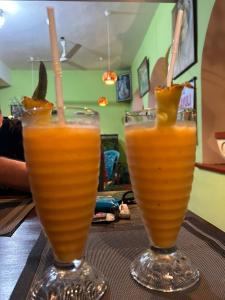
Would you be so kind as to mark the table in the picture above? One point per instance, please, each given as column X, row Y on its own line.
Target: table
column 14, row 251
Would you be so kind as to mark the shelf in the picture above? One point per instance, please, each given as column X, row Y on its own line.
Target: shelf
column 218, row 168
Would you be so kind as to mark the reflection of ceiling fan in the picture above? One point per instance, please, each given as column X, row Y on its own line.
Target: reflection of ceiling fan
column 65, row 57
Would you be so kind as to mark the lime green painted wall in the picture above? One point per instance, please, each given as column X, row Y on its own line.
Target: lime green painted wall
column 79, row 87
column 208, row 197
column 156, row 42
column 208, row 193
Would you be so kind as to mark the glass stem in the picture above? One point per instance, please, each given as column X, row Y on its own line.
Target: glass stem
column 157, row 250
column 67, row 265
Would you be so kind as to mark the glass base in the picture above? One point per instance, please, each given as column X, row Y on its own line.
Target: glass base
column 75, row 281
column 165, row 270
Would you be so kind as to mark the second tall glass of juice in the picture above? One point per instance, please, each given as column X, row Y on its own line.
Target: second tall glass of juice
column 161, row 163
column 62, row 153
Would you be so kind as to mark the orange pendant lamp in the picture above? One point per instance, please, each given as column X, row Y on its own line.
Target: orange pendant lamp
column 109, row 77
column 102, row 101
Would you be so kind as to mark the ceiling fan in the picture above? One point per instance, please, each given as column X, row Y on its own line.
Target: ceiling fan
column 65, row 57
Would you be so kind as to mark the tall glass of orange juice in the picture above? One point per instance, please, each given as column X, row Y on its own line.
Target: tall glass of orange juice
column 161, row 162
column 63, row 157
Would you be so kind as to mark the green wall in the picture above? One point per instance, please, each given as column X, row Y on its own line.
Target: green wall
column 79, row 87
column 155, row 44
column 208, row 193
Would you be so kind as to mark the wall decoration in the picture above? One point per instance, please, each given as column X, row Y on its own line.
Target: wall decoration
column 16, row 110
column 188, row 96
column 143, row 77
column 187, row 50
column 123, row 87
column 188, row 103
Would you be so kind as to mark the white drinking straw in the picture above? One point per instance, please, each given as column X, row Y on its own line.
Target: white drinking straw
column 56, row 63
column 175, row 45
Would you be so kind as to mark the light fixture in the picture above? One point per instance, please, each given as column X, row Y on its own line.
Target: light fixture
column 10, row 7
column 109, row 77
column 2, row 18
column 102, row 101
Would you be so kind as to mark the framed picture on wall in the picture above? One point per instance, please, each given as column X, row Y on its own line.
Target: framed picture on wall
column 123, row 87
column 143, row 77
column 16, row 110
column 188, row 102
column 188, row 96
column 187, row 50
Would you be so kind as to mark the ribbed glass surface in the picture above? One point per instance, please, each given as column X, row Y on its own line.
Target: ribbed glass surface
column 63, row 162
column 161, row 163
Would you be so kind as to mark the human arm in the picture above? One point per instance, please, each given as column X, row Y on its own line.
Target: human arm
column 13, row 174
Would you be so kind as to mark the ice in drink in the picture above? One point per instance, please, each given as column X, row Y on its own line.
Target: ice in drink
column 63, row 163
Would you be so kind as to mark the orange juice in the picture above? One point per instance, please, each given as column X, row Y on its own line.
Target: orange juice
column 161, row 162
column 63, row 164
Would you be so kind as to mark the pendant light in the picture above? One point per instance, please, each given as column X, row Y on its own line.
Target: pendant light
column 109, row 77
column 102, row 101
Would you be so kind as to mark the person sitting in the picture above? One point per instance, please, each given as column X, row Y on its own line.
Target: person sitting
column 13, row 174
column 13, row 170
column 11, row 141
